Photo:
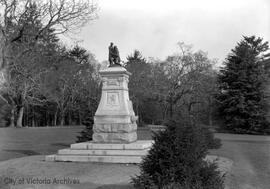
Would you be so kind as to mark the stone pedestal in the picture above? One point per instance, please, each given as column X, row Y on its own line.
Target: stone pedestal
column 115, row 128
column 115, row 120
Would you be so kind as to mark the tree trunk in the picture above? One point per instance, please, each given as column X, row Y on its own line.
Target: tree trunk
column 55, row 118
column 12, row 118
column 171, row 109
column 2, row 50
column 46, row 120
column 80, row 118
column 62, row 121
column 20, row 117
column 33, row 122
column 69, row 118
column 210, row 119
column 164, row 111
column 137, row 107
column 190, row 112
column 26, row 117
column 62, row 118
column 34, row 117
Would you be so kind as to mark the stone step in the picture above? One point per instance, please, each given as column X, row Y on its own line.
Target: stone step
column 103, row 152
column 101, row 159
column 138, row 145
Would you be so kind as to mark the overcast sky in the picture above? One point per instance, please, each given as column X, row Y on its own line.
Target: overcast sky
column 155, row 26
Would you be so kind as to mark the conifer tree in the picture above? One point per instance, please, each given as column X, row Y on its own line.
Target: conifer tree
column 176, row 160
column 138, row 81
column 241, row 93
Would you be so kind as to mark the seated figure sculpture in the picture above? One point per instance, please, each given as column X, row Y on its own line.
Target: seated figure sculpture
column 114, row 58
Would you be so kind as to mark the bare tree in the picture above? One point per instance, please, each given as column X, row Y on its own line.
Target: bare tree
column 60, row 15
column 51, row 16
column 180, row 81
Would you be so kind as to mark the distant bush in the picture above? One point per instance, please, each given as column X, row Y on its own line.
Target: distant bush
column 211, row 142
column 176, row 160
column 4, row 114
column 87, row 132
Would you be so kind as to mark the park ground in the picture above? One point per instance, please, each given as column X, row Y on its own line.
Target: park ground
column 22, row 152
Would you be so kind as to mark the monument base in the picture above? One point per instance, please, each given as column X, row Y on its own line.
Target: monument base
column 103, row 152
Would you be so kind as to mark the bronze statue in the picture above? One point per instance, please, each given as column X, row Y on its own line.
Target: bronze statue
column 114, row 57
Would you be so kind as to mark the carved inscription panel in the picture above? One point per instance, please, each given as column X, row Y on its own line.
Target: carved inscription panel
column 112, row 99
column 112, row 82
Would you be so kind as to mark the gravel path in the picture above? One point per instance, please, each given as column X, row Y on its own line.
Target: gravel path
column 51, row 174
column 18, row 173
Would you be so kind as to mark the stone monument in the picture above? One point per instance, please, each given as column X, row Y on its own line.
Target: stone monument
column 115, row 120
column 115, row 128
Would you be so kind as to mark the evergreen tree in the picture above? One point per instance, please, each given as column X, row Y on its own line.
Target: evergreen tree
column 87, row 132
column 176, row 160
column 241, row 93
column 138, row 81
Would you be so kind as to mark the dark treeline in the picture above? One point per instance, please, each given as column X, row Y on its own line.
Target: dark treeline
column 62, row 88
column 67, row 88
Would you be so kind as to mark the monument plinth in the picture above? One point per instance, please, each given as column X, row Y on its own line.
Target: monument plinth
column 115, row 128
column 115, row 120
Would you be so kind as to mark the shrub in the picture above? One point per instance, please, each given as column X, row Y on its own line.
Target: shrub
column 176, row 160
column 87, row 132
column 211, row 142
column 4, row 114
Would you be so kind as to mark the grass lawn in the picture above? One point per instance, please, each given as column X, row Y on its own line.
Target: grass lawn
column 19, row 142
column 251, row 154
